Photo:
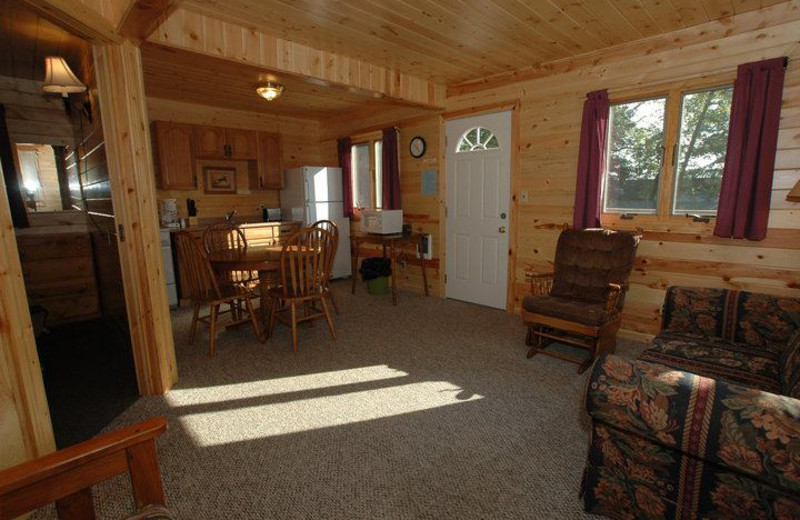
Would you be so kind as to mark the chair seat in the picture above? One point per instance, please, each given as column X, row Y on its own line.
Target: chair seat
column 717, row 358
column 585, row 312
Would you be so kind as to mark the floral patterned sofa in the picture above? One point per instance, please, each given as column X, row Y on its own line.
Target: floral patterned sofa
column 706, row 424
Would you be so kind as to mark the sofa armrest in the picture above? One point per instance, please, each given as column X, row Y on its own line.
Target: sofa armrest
column 541, row 283
column 740, row 428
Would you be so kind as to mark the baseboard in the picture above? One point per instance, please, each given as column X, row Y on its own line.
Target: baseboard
column 635, row 335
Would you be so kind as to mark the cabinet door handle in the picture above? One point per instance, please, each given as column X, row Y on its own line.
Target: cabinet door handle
column 194, row 180
column 260, row 182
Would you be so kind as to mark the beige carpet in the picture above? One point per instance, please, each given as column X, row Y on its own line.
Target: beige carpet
column 424, row 410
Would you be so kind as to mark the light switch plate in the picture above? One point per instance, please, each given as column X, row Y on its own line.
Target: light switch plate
column 523, row 196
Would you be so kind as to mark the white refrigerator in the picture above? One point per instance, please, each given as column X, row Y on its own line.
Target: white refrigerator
column 315, row 193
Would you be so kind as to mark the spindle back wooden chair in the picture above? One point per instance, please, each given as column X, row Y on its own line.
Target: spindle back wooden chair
column 205, row 289
column 305, row 268
column 226, row 236
column 333, row 229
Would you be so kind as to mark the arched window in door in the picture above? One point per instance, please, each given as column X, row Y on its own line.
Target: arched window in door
column 477, row 139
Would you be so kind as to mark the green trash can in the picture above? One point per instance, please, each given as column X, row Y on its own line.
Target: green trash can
column 377, row 286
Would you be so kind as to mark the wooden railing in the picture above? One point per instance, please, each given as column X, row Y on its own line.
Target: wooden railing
column 65, row 476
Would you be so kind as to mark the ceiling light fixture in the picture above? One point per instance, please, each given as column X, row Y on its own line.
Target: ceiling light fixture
column 269, row 90
column 59, row 79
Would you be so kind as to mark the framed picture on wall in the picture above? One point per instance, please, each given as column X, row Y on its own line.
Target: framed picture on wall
column 219, row 180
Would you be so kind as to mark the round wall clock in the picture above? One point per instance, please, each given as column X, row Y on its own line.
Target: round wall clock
column 417, row 147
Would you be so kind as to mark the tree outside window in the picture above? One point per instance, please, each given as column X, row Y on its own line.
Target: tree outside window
column 666, row 154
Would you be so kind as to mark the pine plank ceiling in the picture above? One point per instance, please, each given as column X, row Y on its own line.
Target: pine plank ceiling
column 454, row 41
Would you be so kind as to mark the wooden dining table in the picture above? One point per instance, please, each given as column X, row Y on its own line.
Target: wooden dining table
column 263, row 259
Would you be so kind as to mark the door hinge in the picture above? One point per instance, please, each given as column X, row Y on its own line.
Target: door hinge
column 445, row 212
column 121, row 233
column 445, row 278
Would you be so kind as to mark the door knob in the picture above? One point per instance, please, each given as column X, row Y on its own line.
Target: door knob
column 502, row 229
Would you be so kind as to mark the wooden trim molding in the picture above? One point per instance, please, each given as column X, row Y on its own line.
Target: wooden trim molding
column 78, row 18
column 143, row 16
column 25, row 427
column 123, row 108
column 794, row 194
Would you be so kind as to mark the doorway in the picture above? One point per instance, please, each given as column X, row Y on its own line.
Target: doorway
column 478, row 208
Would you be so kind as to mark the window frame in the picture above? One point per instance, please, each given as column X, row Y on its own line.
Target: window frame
column 369, row 139
column 663, row 219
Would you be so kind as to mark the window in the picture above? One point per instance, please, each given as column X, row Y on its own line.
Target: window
column 367, row 173
column 477, row 139
column 666, row 154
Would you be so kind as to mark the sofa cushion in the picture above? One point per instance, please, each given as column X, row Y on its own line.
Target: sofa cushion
column 586, row 312
column 765, row 320
column 790, row 368
column 718, row 358
column 588, row 260
column 695, row 309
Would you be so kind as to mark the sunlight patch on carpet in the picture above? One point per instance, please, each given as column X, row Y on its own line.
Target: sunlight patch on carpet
column 258, row 422
column 283, row 385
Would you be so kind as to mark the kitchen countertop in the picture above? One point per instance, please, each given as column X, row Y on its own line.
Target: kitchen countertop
column 205, row 224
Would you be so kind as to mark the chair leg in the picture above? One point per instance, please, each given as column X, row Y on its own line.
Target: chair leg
column 273, row 316
column 254, row 320
column 193, row 328
column 294, row 325
column 213, row 331
column 328, row 317
column 333, row 300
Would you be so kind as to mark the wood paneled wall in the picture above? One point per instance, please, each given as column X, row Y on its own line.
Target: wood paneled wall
column 33, row 117
column 422, row 212
column 299, row 141
column 551, row 106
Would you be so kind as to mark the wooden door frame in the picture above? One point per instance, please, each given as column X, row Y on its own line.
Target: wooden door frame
column 503, row 106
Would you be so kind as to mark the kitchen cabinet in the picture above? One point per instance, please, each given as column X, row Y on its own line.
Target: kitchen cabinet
column 242, row 144
column 270, row 162
column 174, row 155
column 214, row 142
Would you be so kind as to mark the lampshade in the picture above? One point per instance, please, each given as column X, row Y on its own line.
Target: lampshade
column 59, row 79
column 269, row 90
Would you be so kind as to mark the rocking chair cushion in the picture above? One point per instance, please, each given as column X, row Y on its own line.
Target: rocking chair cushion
column 579, row 311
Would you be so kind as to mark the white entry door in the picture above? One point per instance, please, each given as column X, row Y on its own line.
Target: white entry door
column 478, row 208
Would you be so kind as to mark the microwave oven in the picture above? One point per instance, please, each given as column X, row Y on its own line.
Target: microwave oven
column 382, row 222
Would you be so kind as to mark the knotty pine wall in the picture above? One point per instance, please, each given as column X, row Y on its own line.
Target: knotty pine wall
column 299, row 141
column 680, row 253
column 551, row 101
column 422, row 212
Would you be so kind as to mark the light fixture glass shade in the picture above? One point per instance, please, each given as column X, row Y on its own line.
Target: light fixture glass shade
column 269, row 90
column 59, row 79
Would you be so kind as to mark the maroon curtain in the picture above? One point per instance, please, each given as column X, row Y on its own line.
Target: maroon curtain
column 591, row 159
column 391, row 169
column 345, row 163
column 744, row 198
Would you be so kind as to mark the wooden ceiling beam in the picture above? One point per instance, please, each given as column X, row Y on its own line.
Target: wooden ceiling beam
column 77, row 18
column 206, row 35
column 143, row 17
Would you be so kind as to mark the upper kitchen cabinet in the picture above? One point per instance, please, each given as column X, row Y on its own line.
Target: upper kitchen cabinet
column 175, row 157
column 242, row 144
column 270, row 161
column 212, row 142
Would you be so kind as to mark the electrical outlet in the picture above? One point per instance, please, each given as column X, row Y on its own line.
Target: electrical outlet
column 523, row 196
